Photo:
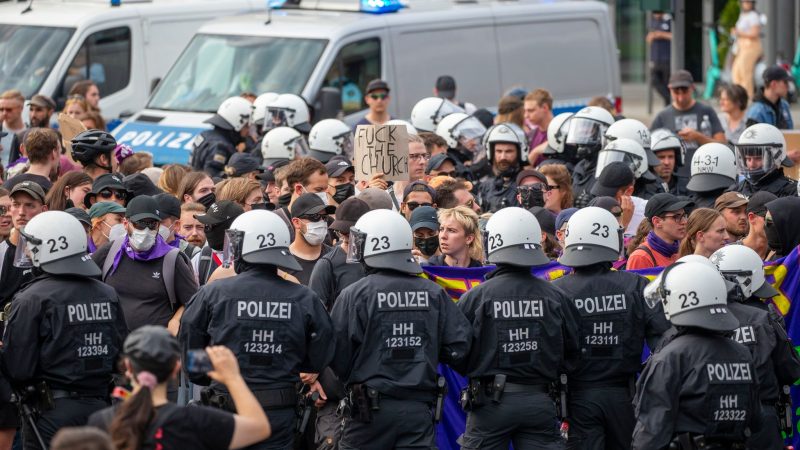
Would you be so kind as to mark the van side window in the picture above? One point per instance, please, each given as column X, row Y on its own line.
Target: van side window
column 105, row 58
column 354, row 67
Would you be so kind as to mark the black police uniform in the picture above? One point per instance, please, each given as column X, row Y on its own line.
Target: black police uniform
column 498, row 191
column 392, row 330
column 701, row 383
column 213, row 148
column 776, row 365
column 676, row 186
column 614, row 321
column 705, row 199
column 66, row 331
column 583, row 180
column 526, row 329
column 774, row 182
column 276, row 328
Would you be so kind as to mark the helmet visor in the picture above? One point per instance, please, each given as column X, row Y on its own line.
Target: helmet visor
column 585, row 132
column 754, row 161
column 298, row 145
column 355, row 249
column 26, row 246
column 606, row 157
column 653, row 295
column 345, row 143
column 469, row 134
column 443, row 110
column 232, row 247
column 276, row 117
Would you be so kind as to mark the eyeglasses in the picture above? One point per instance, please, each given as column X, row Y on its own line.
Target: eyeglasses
column 550, row 187
column 120, row 195
column 3, row 210
column 378, row 96
column 677, row 217
column 422, row 156
column 414, row 205
column 313, row 217
column 142, row 224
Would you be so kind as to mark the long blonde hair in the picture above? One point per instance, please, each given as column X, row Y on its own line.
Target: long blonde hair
column 701, row 219
column 468, row 220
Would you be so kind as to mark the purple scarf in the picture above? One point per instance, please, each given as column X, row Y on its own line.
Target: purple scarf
column 90, row 246
column 158, row 250
column 661, row 246
column 176, row 243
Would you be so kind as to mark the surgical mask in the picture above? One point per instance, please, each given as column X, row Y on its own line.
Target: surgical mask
column 164, row 232
column 316, row 232
column 142, row 240
column 322, row 195
column 343, row 192
column 428, row 245
column 207, row 200
column 284, row 200
column 116, row 232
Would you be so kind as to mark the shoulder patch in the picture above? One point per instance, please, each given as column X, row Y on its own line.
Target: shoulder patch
column 199, row 139
column 219, row 158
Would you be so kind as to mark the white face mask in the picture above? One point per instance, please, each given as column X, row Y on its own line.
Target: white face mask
column 322, row 195
column 316, row 232
column 117, row 232
column 142, row 240
column 164, row 232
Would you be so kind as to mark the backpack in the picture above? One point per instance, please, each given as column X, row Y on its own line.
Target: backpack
column 206, row 266
column 168, row 268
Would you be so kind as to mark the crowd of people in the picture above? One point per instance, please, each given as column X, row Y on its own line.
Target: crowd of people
column 264, row 282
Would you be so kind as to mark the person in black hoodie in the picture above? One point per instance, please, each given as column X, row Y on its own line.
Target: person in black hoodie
column 780, row 226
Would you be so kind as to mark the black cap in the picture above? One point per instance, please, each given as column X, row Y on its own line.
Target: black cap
column 31, row 188
column 348, row 213
column 614, row 176
column 775, row 73
column 546, row 219
column 141, row 184
column 437, row 160
column 105, row 181
column 80, row 214
column 681, row 78
column 241, row 164
column 336, row 167
column 151, row 346
column 664, row 203
column 531, row 173
column 424, row 217
column 308, row 204
column 377, row 85
column 446, row 87
column 758, row 202
column 168, row 205
column 219, row 212
column 142, row 207
column 419, row 186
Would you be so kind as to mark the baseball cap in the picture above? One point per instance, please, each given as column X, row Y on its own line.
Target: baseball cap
column 424, row 217
column 308, row 204
column 730, row 200
column 775, row 73
column 664, row 202
column 151, row 346
column 348, row 213
column 419, row 186
column 376, row 85
column 446, row 86
column 758, row 202
column 531, row 173
column 142, row 207
column 81, row 215
column 546, row 219
column 681, row 78
column 564, row 216
column 168, row 205
column 610, row 204
column 240, row 164
column 336, row 167
column 614, row 176
column 43, row 101
column 140, row 184
column 219, row 212
column 31, row 188
column 100, row 209
column 437, row 160
column 105, row 181
column 376, row 198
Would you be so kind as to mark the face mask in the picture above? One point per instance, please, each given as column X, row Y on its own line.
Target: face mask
column 284, row 200
column 343, row 192
column 142, row 240
column 428, row 245
column 164, row 232
column 116, row 232
column 316, row 232
column 322, row 195
column 773, row 238
column 216, row 237
column 207, row 200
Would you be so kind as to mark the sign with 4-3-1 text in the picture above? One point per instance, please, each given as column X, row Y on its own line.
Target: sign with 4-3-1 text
column 381, row 149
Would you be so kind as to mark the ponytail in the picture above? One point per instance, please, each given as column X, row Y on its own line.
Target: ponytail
column 132, row 420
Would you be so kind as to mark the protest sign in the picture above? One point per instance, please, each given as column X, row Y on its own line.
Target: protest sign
column 381, row 149
column 69, row 127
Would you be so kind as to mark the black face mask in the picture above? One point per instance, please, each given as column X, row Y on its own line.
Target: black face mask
column 427, row 246
column 216, row 236
column 284, row 200
column 531, row 197
column 207, row 200
column 343, row 192
column 773, row 238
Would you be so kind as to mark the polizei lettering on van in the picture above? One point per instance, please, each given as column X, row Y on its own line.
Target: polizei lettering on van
column 405, row 300
column 89, row 312
column 517, row 309
column 263, row 310
column 728, row 372
column 601, row 304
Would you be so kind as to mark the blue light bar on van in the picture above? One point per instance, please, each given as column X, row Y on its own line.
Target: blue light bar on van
column 380, row 6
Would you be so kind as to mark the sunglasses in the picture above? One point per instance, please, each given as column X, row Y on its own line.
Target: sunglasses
column 142, row 224
column 447, row 174
column 314, row 217
column 378, row 96
column 108, row 193
column 414, row 205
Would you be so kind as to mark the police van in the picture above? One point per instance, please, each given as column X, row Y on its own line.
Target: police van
column 125, row 47
column 327, row 51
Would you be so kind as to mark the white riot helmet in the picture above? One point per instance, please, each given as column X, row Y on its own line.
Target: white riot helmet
column 509, row 133
column 713, row 167
column 260, row 237
column 409, row 128
column 283, row 143
column 260, row 107
column 513, row 236
column 461, row 128
column 635, row 130
column 663, row 139
column 587, row 130
column 651, row 293
column 627, row 151
column 56, row 243
column 593, row 235
column 233, row 114
column 557, row 133
column 329, row 138
column 382, row 239
column 742, row 266
column 288, row 110
column 760, row 151
column 428, row 112
column 693, row 295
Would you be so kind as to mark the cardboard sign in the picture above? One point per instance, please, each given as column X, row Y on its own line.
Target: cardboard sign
column 69, row 128
column 381, row 149
column 792, row 149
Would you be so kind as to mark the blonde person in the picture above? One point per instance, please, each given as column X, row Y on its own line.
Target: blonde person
column 459, row 239
column 170, row 180
column 104, row 216
column 247, row 193
column 748, row 46
column 76, row 107
column 705, row 233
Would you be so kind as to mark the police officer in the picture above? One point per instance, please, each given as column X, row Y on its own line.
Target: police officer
column 614, row 321
column 646, row 186
column 506, row 148
column 276, row 328
column 526, row 330
column 212, row 148
column 586, row 132
column 392, row 329
column 670, row 151
column 633, row 154
column 777, row 365
column 713, row 171
column 64, row 332
column 760, row 153
column 699, row 390
column 556, row 151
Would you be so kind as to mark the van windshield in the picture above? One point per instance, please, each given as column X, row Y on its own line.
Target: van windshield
column 213, row 68
column 27, row 55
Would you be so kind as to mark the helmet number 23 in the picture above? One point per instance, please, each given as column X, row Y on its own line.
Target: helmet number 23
column 597, row 228
column 495, row 241
column 689, row 299
column 381, row 243
column 58, row 244
column 265, row 241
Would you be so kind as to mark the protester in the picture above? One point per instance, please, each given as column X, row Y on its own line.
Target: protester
column 451, row 193
column 531, row 188
column 192, row 229
column 377, row 99
column 245, row 192
column 666, row 214
column 732, row 104
column 459, row 239
column 733, row 207
column 309, row 219
column 780, row 226
column 417, row 194
column 81, row 438
column 169, row 209
column 562, row 220
column 243, row 165
column 341, row 179
column 5, row 221
column 94, row 150
column 216, row 220
column 89, row 91
column 77, row 108
column 43, row 148
column 41, row 109
column 425, row 227
column 770, row 105
column 705, row 233
column 756, row 237
column 617, row 181
column 538, row 110
column 197, row 187
column 171, row 177
column 104, row 216
column 107, row 188
column 558, row 195
column 510, row 109
column 69, row 191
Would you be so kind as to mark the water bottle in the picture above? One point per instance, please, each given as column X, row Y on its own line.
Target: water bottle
column 705, row 126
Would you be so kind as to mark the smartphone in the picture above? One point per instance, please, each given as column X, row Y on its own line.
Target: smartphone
column 197, row 362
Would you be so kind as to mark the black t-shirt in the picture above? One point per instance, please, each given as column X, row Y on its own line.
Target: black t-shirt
column 332, row 274
column 44, row 182
column 304, row 275
column 438, row 260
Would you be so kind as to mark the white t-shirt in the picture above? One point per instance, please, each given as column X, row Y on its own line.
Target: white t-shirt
column 747, row 20
column 638, row 215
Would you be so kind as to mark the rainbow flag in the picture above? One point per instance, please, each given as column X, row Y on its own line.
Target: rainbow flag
column 783, row 274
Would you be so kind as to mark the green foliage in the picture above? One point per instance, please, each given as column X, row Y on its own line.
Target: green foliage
column 727, row 20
